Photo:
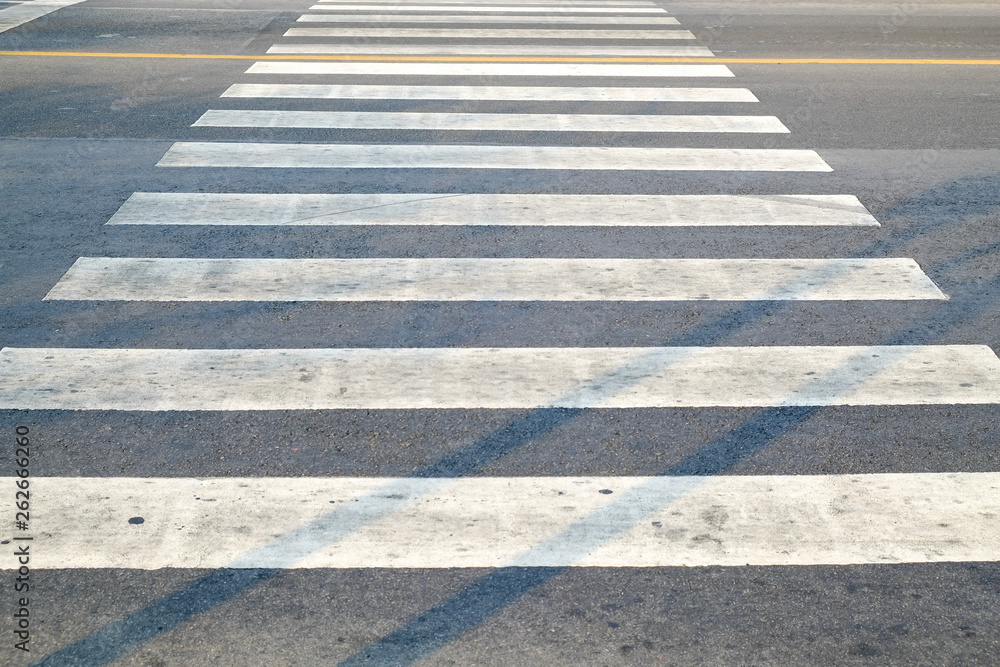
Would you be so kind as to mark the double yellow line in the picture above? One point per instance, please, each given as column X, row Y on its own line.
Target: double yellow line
column 373, row 58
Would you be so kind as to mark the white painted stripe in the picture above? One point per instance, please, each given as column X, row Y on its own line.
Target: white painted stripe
column 491, row 69
column 444, row 156
column 494, row 50
column 532, row 93
column 494, row 9
column 495, row 33
column 609, row 7
column 12, row 17
column 489, row 121
column 488, row 279
column 203, row 208
column 260, row 522
column 495, row 378
column 546, row 3
column 513, row 20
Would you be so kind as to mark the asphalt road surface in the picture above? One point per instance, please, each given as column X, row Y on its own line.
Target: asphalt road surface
column 466, row 334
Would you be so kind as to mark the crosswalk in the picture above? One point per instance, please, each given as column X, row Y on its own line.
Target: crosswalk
column 490, row 121
column 495, row 9
column 490, row 93
column 522, row 522
column 497, row 378
column 491, row 279
column 536, row 210
column 455, row 19
column 499, row 33
column 492, row 522
column 482, row 156
column 492, row 50
column 478, row 69
column 24, row 12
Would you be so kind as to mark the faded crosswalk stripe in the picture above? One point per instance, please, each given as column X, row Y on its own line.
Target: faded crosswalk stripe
column 490, row 121
column 493, row 50
column 611, row 5
column 205, row 208
column 438, row 156
column 495, row 378
column 485, row 19
column 487, row 279
column 496, row 33
column 509, row 93
column 495, row 9
column 491, row 69
column 19, row 14
column 516, row 521
column 544, row 3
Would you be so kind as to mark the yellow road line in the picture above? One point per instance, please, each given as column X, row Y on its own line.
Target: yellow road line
column 761, row 61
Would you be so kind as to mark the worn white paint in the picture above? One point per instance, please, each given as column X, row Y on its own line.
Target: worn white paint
column 491, row 9
column 512, row 93
column 255, row 522
column 206, row 208
column 518, row 122
column 446, row 156
column 583, row 51
column 581, row 3
column 19, row 14
column 483, row 19
column 494, row 33
column 611, row 5
column 487, row 279
column 497, row 378
column 382, row 68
